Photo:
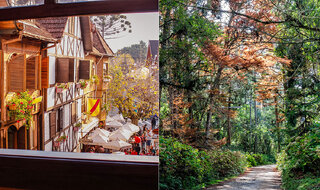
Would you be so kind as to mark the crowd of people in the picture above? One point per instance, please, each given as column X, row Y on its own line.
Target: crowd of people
column 143, row 143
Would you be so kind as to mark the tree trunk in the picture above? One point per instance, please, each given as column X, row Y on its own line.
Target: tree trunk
column 277, row 123
column 134, row 120
column 229, row 119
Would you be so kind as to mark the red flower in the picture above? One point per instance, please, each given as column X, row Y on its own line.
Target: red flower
column 24, row 119
column 29, row 102
column 7, row 105
column 18, row 121
column 14, row 104
column 21, row 102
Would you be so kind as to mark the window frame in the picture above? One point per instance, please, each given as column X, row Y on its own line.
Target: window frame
column 55, row 170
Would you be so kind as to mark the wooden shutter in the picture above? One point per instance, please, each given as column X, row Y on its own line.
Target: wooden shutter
column 71, row 70
column 31, row 73
column 62, row 70
column 16, row 74
column 60, row 119
column 84, row 69
column 53, row 123
column 73, row 112
column 45, row 72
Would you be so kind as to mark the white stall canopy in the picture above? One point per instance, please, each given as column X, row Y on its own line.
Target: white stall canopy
column 131, row 127
column 120, row 134
column 117, row 145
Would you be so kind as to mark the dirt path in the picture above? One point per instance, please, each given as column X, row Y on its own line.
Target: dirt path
column 256, row 178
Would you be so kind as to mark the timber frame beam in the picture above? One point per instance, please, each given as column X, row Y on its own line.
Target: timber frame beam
column 52, row 9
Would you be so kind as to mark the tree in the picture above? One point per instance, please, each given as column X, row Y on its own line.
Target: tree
column 110, row 26
column 137, row 51
column 136, row 96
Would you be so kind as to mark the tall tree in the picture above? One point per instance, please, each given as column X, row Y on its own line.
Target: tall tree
column 110, row 26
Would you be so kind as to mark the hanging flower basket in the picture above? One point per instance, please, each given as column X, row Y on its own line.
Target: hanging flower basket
column 20, row 107
column 12, row 107
column 83, row 84
column 95, row 79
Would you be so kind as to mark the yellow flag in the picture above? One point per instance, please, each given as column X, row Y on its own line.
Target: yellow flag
column 94, row 106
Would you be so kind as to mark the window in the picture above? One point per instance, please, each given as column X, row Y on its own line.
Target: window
column 53, row 123
column 64, row 70
column 84, row 69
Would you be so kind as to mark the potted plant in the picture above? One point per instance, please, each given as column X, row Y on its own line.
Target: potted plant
column 20, row 106
column 77, row 126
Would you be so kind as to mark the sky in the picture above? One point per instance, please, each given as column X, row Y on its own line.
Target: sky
column 145, row 27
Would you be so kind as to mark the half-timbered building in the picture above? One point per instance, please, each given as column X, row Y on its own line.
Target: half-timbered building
column 81, row 54
column 22, row 46
column 48, row 57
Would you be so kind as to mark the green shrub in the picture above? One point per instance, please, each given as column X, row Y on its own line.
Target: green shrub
column 184, row 167
column 300, row 162
column 251, row 160
column 259, row 159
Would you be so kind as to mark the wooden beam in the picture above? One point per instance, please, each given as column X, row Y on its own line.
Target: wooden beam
column 79, row 8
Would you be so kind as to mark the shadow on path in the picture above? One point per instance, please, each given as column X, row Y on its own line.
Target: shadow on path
column 257, row 178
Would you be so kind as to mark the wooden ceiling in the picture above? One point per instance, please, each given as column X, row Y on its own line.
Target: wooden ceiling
column 52, row 9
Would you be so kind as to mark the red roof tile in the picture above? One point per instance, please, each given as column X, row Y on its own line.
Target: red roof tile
column 38, row 33
column 54, row 25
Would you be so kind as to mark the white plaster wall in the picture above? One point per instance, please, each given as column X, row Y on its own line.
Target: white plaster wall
column 66, row 113
column 52, row 70
column 50, row 96
column 48, row 147
column 46, row 127
column 51, row 50
column 79, row 108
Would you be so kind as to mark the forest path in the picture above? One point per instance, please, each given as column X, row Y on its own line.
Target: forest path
column 256, row 178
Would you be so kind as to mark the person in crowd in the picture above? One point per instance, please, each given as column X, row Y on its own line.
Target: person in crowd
column 149, row 138
column 133, row 152
column 154, row 122
column 101, row 125
column 100, row 149
column 91, row 149
column 143, row 141
column 152, row 151
column 144, row 128
column 137, row 141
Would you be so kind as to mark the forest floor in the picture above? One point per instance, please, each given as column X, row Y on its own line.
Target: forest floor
column 256, row 178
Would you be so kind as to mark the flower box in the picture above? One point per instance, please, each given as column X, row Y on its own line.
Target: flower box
column 56, row 143
column 59, row 90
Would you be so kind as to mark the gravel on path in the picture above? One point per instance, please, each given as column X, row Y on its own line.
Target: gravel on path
column 256, row 178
